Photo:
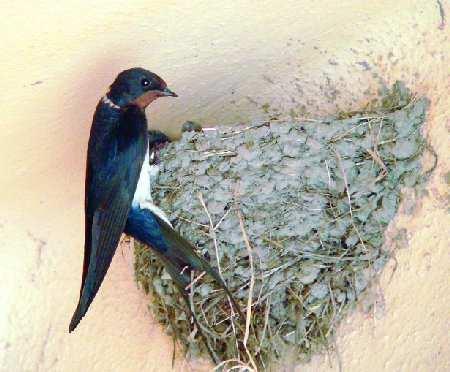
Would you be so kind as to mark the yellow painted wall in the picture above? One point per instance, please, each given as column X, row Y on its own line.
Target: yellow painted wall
column 228, row 61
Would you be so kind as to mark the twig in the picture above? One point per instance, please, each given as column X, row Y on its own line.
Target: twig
column 221, row 219
column 192, row 222
column 250, row 290
column 393, row 140
column 195, row 280
column 213, row 235
column 342, row 135
column 164, row 187
column 208, row 154
column 376, row 155
column 344, row 176
column 328, row 172
column 338, row 156
column 266, row 321
column 298, row 120
column 335, row 315
column 231, row 134
column 245, row 367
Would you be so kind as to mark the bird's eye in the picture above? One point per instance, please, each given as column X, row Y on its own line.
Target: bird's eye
column 145, row 82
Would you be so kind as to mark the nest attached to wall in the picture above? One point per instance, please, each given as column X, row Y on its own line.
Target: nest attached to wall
column 292, row 214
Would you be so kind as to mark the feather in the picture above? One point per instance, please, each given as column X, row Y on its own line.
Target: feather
column 115, row 156
column 177, row 253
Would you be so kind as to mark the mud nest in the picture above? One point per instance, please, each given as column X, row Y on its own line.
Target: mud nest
column 292, row 215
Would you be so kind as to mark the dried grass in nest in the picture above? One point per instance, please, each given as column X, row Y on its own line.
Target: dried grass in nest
column 292, row 216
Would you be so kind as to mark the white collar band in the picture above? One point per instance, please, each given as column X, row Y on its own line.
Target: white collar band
column 110, row 103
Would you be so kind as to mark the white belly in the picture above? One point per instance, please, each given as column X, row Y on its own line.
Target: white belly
column 143, row 191
column 143, row 195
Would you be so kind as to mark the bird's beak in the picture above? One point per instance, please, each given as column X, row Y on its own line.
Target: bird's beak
column 168, row 93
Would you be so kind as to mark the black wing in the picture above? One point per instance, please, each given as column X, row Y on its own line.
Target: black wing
column 113, row 166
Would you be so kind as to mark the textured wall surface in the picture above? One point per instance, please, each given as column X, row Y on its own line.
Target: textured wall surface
column 228, row 61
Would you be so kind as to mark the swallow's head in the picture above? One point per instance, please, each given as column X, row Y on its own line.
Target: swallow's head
column 139, row 87
column 157, row 140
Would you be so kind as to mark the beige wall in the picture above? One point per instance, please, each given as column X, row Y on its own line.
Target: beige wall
column 227, row 60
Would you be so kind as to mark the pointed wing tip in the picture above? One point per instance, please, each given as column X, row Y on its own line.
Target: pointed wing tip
column 76, row 318
column 74, row 323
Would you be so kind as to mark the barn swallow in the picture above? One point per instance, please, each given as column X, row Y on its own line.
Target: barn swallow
column 157, row 140
column 117, row 190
